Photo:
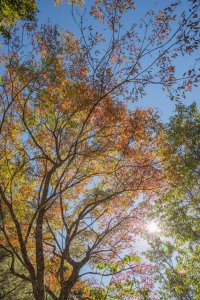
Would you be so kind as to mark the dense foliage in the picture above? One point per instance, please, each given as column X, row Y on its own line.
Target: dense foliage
column 178, row 208
column 80, row 163
column 13, row 10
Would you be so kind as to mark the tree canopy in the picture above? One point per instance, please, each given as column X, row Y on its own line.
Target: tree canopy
column 81, row 162
column 178, row 207
column 13, row 10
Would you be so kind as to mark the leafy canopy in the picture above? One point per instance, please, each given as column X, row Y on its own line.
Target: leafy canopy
column 178, row 207
column 13, row 10
column 75, row 160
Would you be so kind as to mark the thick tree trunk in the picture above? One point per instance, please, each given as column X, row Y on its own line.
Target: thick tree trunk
column 68, row 285
column 40, row 256
column 36, row 294
column 39, row 240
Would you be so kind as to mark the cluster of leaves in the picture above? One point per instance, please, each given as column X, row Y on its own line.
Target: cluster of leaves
column 13, row 10
column 73, row 2
column 122, row 286
column 9, row 285
column 178, row 207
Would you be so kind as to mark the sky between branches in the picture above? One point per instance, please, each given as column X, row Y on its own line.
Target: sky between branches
column 155, row 97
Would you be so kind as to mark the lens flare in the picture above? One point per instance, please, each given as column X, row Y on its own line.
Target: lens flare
column 153, row 227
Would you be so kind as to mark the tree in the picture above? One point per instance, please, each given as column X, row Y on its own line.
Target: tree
column 13, row 10
column 74, row 158
column 178, row 206
column 61, row 206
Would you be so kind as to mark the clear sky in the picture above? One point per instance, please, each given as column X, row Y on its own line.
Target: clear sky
column 155, row 97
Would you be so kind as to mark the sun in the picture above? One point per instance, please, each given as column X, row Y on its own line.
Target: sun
column 153, row 227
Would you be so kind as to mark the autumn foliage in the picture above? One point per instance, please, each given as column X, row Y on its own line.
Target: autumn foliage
column 77, row 164
column 73, row 163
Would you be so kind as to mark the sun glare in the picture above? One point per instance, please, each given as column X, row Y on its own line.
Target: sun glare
column 153, row 227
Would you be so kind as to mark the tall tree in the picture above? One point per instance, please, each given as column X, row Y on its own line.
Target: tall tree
column 178, row 207
column 73, row 164
column 74, row 158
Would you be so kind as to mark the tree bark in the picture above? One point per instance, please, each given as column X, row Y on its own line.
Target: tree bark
column 40, row 256
column 68, row 285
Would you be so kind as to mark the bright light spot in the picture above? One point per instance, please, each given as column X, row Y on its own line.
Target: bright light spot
column 153, row 227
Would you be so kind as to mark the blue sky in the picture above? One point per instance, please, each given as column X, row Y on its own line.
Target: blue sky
column 155, row 97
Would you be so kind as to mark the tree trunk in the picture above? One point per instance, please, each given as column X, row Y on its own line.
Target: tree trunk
column 68, row 285
column 40, row 256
